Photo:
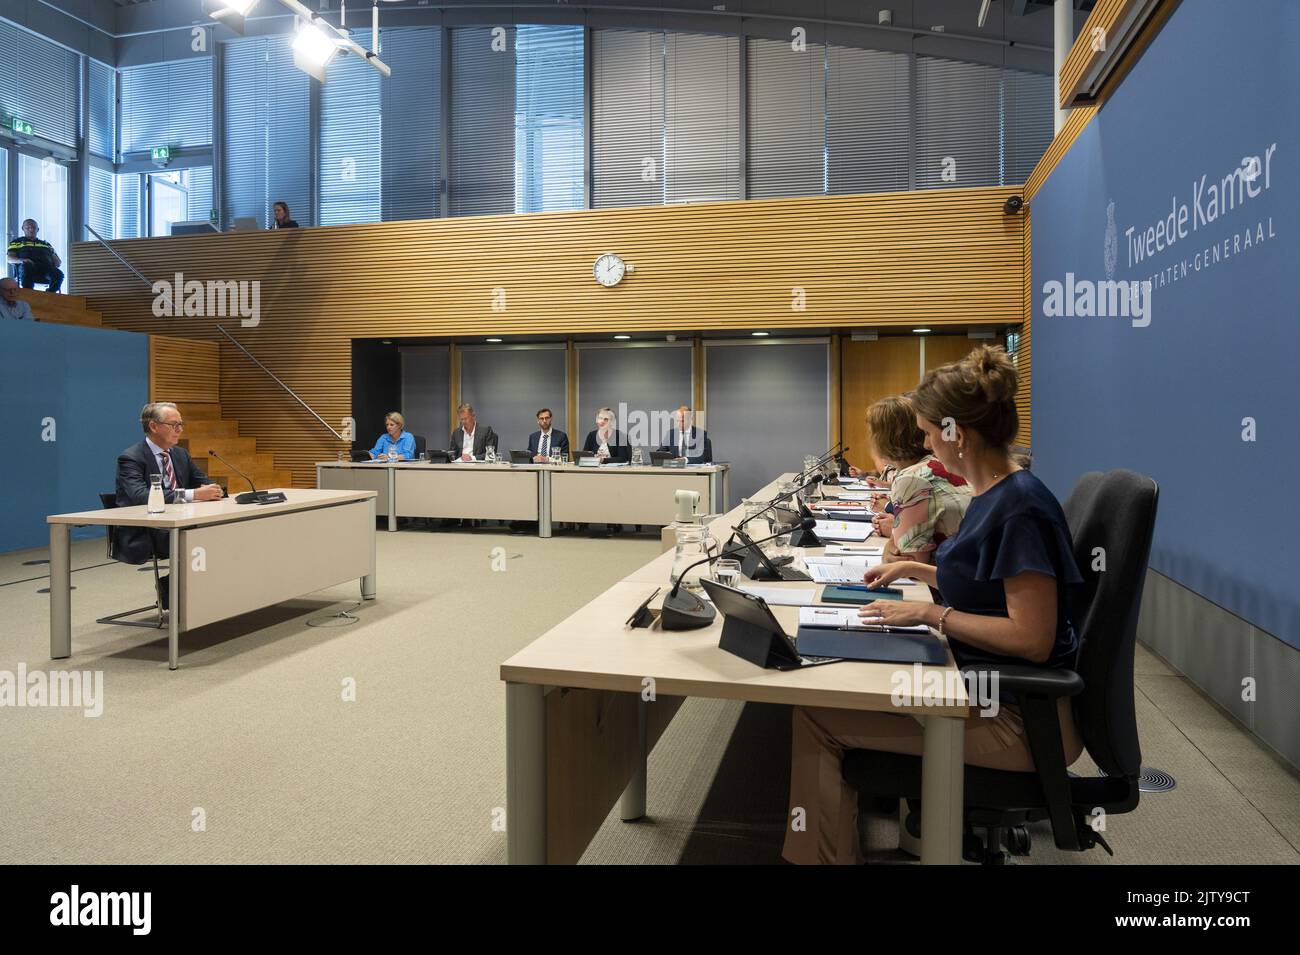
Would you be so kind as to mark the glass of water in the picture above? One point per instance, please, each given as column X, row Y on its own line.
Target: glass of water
column 726, row 571
column 638, row 458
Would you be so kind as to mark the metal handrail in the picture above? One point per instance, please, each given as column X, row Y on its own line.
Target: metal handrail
column 115, row 254
column 249, row 355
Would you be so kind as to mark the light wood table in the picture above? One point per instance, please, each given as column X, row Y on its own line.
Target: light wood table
column 587, row 701
column 527, row 492
column 633, row 495
column 228, row 559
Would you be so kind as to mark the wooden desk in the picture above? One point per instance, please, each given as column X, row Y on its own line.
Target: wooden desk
column 527, row 492
column 587, row 701
column 228, row 558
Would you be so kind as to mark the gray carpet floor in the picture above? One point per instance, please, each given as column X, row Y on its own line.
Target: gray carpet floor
column 250, row 753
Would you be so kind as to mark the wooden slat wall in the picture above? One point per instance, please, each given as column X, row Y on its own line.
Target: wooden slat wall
column 181, row 369
column 1113, row 18
column 938, row 257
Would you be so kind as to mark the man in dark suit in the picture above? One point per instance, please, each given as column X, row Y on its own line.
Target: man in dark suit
column 541, row 444
column 470, row 442
column 183, row 481
column 607, row 443
column 687, row 441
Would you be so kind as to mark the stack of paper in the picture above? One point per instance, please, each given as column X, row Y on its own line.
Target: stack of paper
column 839, row 569
column 843, row 530
column 846, row 618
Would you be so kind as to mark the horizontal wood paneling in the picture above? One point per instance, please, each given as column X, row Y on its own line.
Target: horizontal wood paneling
column 184, row 370
column 1111, row 23
column 939, row 257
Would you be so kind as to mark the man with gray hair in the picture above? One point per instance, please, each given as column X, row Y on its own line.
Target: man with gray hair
column 11, row 306
column 470, row 442
column 183, row 481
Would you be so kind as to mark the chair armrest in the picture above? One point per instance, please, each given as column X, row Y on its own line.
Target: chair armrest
column 1039, row 681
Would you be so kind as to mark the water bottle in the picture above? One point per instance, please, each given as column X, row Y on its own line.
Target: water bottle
column 157, row 501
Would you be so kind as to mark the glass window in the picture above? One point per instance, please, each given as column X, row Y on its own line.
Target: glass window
column 549, row 159
column 168, row 201
column 43, row 196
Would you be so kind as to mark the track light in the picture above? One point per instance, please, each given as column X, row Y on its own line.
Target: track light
column 984, row 12
column 313, row 50
column 231, row 13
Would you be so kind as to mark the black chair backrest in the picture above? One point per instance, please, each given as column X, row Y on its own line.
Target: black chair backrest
column 420, row 445
column 1112, row 518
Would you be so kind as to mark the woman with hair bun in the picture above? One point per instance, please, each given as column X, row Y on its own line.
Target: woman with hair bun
column 1004, row 578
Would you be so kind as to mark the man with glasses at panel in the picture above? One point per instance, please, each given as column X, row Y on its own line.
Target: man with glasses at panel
column 183, row 481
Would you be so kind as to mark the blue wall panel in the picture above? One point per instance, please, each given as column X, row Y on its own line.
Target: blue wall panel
column 92, row 383
column 1223, row 342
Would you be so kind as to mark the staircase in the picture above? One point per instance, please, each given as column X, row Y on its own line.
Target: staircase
column 61, row 309
column 206, row 429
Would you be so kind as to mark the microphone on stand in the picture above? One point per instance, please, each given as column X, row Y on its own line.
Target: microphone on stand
column 683, row 610
column 254, row 496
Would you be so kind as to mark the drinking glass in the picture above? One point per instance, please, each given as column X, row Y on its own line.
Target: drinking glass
column 490, row 457
column 726, row 571
column 638, row 458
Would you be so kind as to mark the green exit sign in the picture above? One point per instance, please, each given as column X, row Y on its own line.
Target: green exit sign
column 161, row 154
column 18, row 126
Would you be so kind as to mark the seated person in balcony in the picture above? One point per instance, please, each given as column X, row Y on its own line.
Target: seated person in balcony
column 11, row 306
column 546, row 441
column 469, row 442
column 36, row 259
column 183, row 481
column 282, row 219
column 687, row 441
column 606, row 443
column 395, row 444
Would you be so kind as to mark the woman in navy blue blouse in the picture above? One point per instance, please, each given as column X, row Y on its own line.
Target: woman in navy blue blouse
column 1004, row 578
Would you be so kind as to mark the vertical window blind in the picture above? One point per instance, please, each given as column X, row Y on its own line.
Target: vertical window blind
column 40, row 82
column 411, row 106
column 868, row 120
column 482, row 120
column 267, row 155
column 166, row 104
column 101, row 104
column 549, row 112
column 665, row 117
column 350, row 128
column 787, row 119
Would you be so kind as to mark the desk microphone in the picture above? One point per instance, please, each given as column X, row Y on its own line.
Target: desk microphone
column 683, row 610
column 254, row 496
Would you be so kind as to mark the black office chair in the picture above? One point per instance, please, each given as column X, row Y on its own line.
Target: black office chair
column 109, row 501
column 1115, row 511
column 420, row 445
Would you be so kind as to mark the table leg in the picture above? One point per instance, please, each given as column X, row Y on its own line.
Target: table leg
column 176, row 565
column 525, row 774
column 368, row 582
column 632, row 804
column 60, row 591
column 942, row 783
column 543, row 503
column 392, row 499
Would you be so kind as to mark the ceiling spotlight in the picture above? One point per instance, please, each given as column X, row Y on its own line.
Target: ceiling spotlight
column 313, row 49
column 759, row 334
column 494, row 341
column 229, row 12
column 984, row 12
column 920, row 331
column 621, row 338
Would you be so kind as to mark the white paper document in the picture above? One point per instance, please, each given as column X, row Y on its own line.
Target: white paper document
column 846, row 618
column 843, row 530
column 782, row 596
column 839, row 570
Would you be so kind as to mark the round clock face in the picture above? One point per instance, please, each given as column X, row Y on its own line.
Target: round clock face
column 609, row 270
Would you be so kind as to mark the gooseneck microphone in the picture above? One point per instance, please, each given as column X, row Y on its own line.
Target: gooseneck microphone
column 254, row 496
column 683, row 610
